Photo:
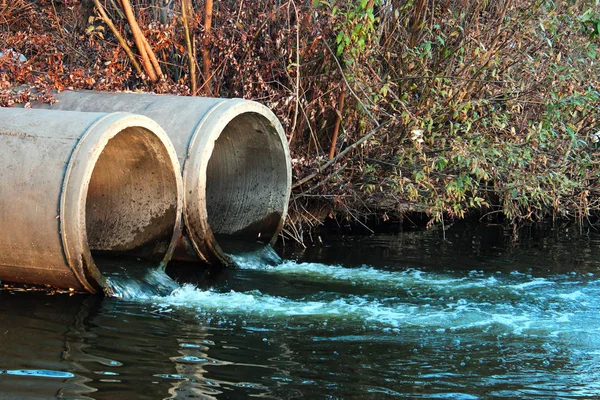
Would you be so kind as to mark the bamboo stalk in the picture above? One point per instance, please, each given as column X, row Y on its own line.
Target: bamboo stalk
column 152, row 56
column 118, row 35
column 205, row 42
column 138, row 39
column 188, row 43
column 150, row 52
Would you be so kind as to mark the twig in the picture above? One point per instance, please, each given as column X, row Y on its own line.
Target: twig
column 348, row 84
column 323, row 196
column 118, row 35
column 420, row 15
column 215, row 70
column 60, row 28
column 117, row 9
column 443, row 227
column 342, row 154
column 195, row 55
column 240, row 10
column 294, row 236
column 450, row 77
column 297, row 73
column 308, row 216
column 338, row 122
column 489, row 213
column 356, row 218
column 321, row 182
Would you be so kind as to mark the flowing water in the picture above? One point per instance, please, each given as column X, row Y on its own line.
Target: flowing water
column 409, row 316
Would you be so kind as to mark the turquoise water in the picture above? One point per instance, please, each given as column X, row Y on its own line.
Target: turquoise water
column 409, row 316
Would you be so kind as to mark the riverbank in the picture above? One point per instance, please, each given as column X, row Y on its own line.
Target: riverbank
column 393, row 111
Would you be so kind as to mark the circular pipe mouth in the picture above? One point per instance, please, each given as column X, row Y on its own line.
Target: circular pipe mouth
column 122, row 198
column 244, row 179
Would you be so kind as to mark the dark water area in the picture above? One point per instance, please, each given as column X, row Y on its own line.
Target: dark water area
column 408, row 315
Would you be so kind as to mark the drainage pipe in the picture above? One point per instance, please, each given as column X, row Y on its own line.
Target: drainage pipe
column 236, row 165
column 76, row 186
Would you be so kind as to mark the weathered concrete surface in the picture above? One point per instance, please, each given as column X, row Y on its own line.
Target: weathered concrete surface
column 235, row 158
column 72, row 184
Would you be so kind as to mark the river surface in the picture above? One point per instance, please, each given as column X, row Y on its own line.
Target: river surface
column 408, row 315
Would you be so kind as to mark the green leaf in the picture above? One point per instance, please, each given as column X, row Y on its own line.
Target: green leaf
column 441, row 163
column 384, row 90
column 427, row 48
column 587, row 16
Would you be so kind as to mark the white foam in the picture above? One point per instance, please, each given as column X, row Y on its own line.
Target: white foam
column 254, row 303
column 364, row 275
column 412, row 298
column 532, row 283
column 571, row 296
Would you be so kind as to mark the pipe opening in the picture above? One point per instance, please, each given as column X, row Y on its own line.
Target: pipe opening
column 246, row 182
column 131, row 201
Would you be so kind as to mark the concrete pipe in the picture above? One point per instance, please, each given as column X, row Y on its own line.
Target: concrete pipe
column 236, row 165
column 76, row 186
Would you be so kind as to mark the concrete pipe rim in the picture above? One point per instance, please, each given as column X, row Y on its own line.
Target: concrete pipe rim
column 206, row 135
column 78, row 176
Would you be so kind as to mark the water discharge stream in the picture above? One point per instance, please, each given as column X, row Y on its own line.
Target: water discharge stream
column 514, row 303
column 508, row 322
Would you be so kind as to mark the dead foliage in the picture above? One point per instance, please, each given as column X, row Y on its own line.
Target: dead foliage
column 441, row 106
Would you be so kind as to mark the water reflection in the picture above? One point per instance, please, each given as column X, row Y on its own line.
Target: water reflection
column 91, row 347
column 38, row 334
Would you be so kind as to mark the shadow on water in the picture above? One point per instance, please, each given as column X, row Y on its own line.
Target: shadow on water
column 468, row 246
